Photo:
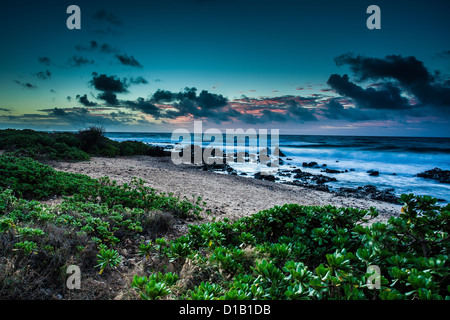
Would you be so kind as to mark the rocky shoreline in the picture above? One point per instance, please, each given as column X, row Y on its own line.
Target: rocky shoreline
column 300, row 177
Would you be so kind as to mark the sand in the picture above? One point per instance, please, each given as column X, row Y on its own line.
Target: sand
column 227, row 196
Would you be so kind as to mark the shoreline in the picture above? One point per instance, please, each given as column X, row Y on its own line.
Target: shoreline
column 226, row 196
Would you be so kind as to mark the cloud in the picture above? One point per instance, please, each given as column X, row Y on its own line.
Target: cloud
column 444, row 54
column 410, row 73
column 109, row 97
column 82, row 116
column 95, row 46
column 106, row 83
column 5, row 110
column 138, row 80
column 107, row 16
column 85, row 101
column 187, row 103
column 44, row 75
column 334, row 110
column 26, row 85
column 78, row 61
column 128, row 60
column 45, row 60
column 144, row 106
column 387, row 98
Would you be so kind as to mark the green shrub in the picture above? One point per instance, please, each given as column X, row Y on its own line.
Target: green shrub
column 33, row 180
column 79, row 146
column 299, row 252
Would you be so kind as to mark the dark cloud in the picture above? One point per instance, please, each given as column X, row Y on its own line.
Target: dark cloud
column 44, row 75
column 409, row 72
column 188, row 103
column 5, row 110
column 26, row 85
column 128, row 60
column 444, row 54
column 107, row 16
column 138, row 80
column 161, row 96
column 80, row 116
column 69, row 98
column 387, row 98
column 334, row 110
column 299, row 112
column 95, row 46
column 83, row 99
column 45, row 60
column 78, row 61
column 109, row 97
column 144, row 106
column 106, row 83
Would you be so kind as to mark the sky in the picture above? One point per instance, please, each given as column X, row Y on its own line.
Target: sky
column 303, row 67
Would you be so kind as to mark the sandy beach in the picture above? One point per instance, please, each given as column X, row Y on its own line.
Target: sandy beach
column 227, row 196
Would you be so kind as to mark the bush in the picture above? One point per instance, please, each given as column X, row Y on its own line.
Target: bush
column 78, row 146
column 300, row 252
column 33, row 180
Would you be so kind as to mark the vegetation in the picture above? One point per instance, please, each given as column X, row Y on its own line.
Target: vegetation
column 76, row 146
column 125, row 236
column 299, row 252
column 95, row 219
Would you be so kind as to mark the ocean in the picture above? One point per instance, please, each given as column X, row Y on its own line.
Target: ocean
column 397, row 159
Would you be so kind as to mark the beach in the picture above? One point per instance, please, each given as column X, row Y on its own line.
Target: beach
column 226, row 196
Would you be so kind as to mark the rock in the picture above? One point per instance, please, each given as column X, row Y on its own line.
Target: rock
column 312, row 164
column 331, row 171
column 264, row 176
column 280, row 153
column 373, row 173
column 437, row 174
column 320, row 187
column 320, row 179
column 369, row 192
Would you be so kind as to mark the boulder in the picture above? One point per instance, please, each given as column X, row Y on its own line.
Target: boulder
column 437, row 174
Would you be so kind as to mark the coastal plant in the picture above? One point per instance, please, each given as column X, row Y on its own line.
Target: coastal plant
column 155, row 286
column 72, row 146
column 107, row 258
column 321, row 252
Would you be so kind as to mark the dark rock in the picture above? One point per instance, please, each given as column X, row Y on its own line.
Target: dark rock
column 320, row 187
column 312, row 164
column 369, row 192
column 262, row 176
column 373, row 173
column 437, row 174
column 280, row 153
column 331, row 171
